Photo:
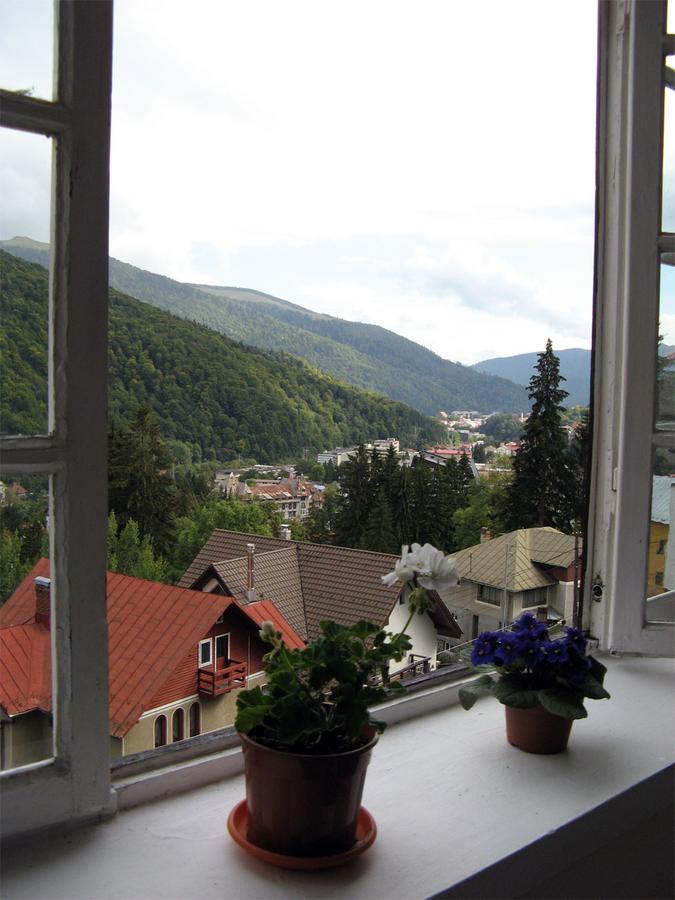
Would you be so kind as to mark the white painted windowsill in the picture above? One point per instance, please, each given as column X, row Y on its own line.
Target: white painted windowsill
column 452, row 801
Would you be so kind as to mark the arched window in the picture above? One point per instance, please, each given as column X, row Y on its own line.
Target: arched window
column 160, row 731
column 178, row 725
column 195, row 723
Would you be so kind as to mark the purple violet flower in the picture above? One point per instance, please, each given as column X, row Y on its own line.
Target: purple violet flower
column 483, row 649
column 506, row 650
column 529, row 624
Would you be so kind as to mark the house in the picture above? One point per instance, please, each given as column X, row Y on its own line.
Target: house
column 310, row 582
column 177, row 659
column 294, row 497
column 336, row 456
column 524, row 569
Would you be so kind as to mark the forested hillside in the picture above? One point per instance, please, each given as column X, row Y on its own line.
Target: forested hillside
column 204, row 388
column 367, row 356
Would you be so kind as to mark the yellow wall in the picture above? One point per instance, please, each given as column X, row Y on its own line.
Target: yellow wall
column 658, row 532
column 216, row 712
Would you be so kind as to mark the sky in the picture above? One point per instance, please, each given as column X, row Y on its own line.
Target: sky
column 428, row 167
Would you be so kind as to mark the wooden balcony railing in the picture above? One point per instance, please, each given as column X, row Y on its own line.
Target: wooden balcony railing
column 221, row 681
column 417, row 665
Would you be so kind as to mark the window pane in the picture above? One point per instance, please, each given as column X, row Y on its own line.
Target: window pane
column 665, row 391
column 26, row 734
column 27, row 46
column 661, row 560
column 25, row 186
column 668, row 212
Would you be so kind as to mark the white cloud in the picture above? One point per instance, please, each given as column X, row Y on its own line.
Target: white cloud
column 307, row 149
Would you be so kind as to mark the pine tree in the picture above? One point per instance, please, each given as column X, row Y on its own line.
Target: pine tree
column 378, row 533
column 357, row 499
column 541, row 492
column 139, row 486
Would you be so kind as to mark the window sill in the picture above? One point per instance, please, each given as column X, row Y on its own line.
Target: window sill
column 454, row 803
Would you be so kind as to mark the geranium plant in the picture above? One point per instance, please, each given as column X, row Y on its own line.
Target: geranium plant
column 535, row 669
column 317, row 700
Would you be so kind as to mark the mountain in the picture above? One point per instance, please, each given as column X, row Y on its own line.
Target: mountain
column 367, row 356
column 205, row 389
column 575, row 365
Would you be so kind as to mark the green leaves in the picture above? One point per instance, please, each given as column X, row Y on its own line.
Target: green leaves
column 478, row 688
column 316, row 699
column 562, row 703
column 511, row 690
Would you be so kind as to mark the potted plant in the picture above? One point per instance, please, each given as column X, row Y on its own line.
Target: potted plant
column 542, row 681
column 307, row 734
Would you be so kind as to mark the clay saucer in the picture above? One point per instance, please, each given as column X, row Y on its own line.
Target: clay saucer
column 366, row 832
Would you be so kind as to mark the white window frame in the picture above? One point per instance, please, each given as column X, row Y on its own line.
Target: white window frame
column 75, row 783
column 206, row 642
column 631, row 77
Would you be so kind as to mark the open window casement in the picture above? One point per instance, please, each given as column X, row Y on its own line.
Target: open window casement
column 75, row 782
column 631, row 248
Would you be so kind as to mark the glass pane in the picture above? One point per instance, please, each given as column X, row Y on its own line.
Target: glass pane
column 26, row 734
column 25, row 186
column 665, row 389
column 27, row 47
column 661, row 561
column 668, row 211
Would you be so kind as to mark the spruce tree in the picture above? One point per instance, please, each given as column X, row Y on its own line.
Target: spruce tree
column 139, row 486
column 541, row 490
column 356, row 501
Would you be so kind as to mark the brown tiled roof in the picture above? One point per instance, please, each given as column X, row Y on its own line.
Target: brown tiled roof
column 515, row 559
column 343, row 584
column 277, row 578
column 335, row 582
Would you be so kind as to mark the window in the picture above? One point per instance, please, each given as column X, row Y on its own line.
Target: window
column 222, row 650
column 205, row 652
column 658, row 578
column 492, row 595
column 632, row 250
column 630, row 246
column 72, row 451
column 195, row 720
column 536, row 597
column 160, row 731
column 661, row 549
column 178, row 725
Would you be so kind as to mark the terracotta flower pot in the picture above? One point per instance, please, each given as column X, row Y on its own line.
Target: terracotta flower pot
column 536, row 730
column 301, row 804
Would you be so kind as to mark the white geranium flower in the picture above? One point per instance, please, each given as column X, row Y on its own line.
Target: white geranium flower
column 434, row 571
column 403, row 571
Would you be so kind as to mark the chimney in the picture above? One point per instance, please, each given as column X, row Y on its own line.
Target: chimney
column 285, row 532
column 250, row 588
column 485, row 534
column 43, row 596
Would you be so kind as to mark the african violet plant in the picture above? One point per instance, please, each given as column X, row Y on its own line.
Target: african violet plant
column 316, row 700
column 536, row 670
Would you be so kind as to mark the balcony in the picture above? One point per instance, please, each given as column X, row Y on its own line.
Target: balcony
column 214, row 682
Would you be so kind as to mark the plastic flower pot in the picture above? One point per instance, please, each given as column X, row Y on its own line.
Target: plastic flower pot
column 537, row 730
column 302, row 804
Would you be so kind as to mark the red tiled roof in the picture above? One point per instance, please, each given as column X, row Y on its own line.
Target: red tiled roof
column 25, row 670
column 265, row 611
column 151, row 627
